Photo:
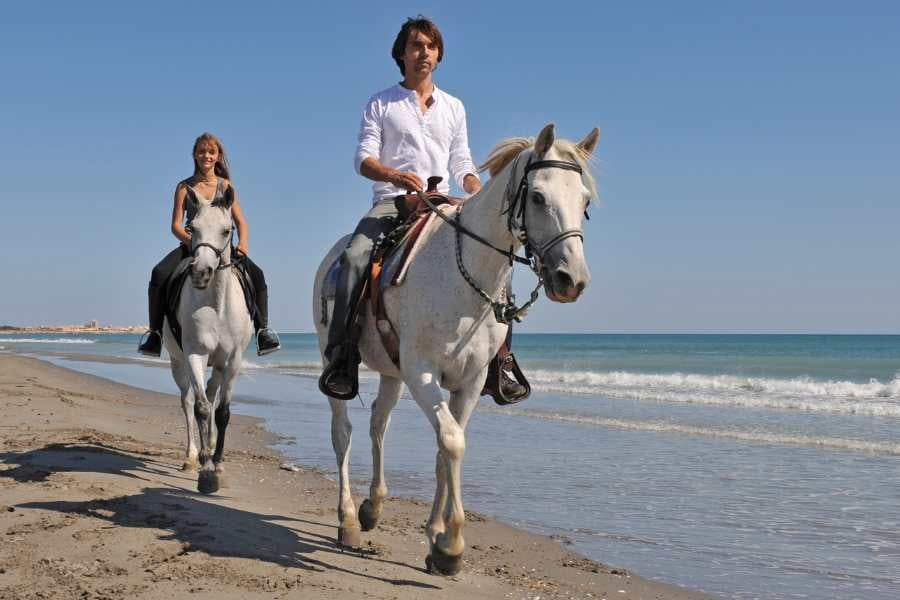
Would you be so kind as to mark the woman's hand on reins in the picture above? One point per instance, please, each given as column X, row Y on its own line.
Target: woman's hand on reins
column 241, row 248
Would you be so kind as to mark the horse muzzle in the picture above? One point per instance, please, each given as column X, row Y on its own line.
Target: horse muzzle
column 560, row 285
column 200, row 277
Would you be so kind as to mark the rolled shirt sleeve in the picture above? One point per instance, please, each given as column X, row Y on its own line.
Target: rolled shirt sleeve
column 369, row 143
column 461, row 163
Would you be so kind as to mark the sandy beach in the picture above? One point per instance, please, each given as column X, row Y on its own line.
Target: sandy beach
column 93, row 505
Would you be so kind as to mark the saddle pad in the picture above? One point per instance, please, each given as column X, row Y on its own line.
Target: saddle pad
column 329, row 285
column 396, row 264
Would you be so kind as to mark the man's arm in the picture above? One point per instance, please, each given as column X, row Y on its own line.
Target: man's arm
column 369, row 148
column 461, row 165
column 376, row 171
column 471, row 183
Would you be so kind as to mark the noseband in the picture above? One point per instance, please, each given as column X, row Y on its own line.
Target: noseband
column 218, row 252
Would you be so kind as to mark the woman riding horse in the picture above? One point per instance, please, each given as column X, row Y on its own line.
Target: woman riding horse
column 211, row 180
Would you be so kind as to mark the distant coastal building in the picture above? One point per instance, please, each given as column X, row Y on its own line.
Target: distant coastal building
column 92, row 324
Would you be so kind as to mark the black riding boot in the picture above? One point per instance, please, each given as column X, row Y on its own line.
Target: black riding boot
column 340, row 378
column 506, row 383
column 267, row 340
column 152, row 346
column 509, row 383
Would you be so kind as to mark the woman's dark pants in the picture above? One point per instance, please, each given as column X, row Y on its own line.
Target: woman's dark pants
column 164, row 269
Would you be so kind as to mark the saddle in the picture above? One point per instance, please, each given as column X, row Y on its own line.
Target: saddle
column 175, row 283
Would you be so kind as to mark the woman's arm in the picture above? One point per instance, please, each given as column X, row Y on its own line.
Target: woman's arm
column 241, row 224
column 178, row 215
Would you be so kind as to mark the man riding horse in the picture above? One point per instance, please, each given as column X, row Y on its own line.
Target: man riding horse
column 409, row 132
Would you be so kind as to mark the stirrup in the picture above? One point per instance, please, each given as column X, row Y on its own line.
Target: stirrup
column 145, row 338
column 262, row 352
column 345, row 362
column 493, row 385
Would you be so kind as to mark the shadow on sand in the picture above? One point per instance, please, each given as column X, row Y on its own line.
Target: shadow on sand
column 198, row 521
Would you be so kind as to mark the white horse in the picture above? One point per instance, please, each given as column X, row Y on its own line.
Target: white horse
column 215, row 330
column 446, row 326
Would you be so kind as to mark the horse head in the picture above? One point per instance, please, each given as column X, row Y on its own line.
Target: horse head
column 550, row 206
column 211, row 230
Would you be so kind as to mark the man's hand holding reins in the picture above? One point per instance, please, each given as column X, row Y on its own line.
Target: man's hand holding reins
column 406, row 181
column 374, row 170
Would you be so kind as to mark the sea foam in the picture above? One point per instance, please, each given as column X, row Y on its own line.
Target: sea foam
column 873, row 398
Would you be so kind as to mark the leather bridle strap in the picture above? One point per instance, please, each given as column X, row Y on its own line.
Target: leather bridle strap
column 555, row 164
column 218, row 252
column 517, row 207
column 562, row 236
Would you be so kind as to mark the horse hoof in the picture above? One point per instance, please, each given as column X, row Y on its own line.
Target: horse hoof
column 439, row 563
column 349, row 537
column 208, row 482
column 189, row 466
column 368, row 516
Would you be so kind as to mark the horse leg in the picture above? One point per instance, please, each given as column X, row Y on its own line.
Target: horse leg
column 388, row 394
column 462, row 404
column 223, row 415
column 447, row 548
column 213, row 385
column 341, row 430
column 207, row 482
column 182, row 379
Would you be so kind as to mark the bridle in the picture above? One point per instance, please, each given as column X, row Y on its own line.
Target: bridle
column 218, row 252
column 517, row 203
column 506, row 311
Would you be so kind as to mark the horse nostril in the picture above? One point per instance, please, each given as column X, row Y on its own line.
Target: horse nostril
column 563, row 280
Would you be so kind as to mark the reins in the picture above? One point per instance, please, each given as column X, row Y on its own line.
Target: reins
column 508, row 311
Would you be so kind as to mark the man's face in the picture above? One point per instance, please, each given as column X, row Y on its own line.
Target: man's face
column 420, row 56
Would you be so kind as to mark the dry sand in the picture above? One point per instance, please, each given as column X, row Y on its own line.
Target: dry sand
column 93, row 506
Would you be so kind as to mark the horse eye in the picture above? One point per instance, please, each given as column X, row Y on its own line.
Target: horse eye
column 226, row 232
column 538, row 198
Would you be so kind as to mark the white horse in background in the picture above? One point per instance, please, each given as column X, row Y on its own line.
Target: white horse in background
column 447, row 330
column 215, row 330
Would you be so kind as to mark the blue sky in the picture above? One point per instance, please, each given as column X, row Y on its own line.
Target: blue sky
column 748, row 165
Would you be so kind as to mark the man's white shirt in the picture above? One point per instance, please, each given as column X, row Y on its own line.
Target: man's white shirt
column 394, row 132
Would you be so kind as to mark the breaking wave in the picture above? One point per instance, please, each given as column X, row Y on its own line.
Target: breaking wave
column 873, row 398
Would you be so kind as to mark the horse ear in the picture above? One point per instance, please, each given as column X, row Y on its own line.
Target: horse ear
column 544, row 140
column 190, row 196
column 589, row 142
column 227, row 199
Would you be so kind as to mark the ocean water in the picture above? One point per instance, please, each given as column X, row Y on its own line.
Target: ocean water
column 747, row 466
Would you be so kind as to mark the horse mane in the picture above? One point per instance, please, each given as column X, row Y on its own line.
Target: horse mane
column 507, row 150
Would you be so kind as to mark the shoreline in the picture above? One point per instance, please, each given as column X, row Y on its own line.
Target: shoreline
column 68, row 329
column 84, row 458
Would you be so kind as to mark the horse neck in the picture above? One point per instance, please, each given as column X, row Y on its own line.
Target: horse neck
column 483, row 214
column 221, row 282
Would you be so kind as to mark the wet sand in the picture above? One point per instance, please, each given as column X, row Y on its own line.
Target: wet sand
column 93, row 505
